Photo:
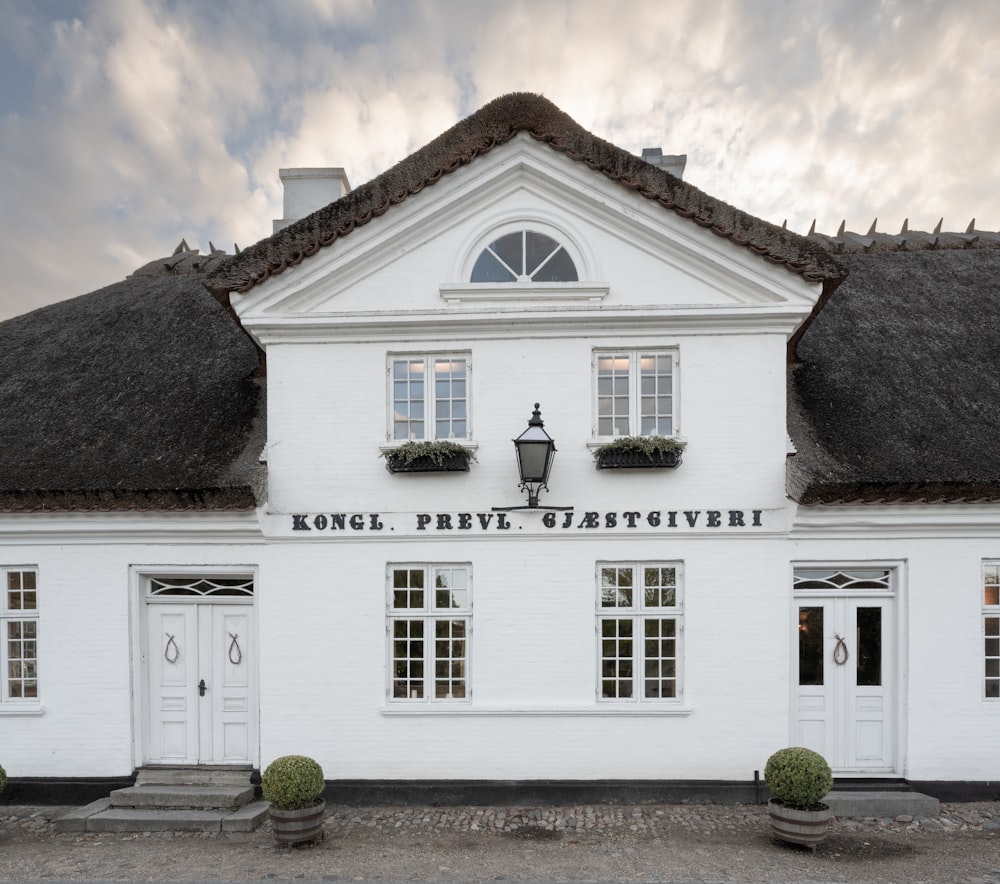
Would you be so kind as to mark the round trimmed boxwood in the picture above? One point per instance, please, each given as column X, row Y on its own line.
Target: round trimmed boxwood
column 292, row 781
column 798, row 777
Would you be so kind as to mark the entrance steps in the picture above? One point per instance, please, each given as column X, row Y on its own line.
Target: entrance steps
column 182, row 799
column 879, row 798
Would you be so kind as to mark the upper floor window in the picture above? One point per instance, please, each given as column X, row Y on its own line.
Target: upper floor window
column 429, row 396
column 19, row 646
column 635, row 392
column 524, row 256
column 991, row 629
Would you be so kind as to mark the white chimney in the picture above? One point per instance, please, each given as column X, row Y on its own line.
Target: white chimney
column 672, row 163
column 307, row 190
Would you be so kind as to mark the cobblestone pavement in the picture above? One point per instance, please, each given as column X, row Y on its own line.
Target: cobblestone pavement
column 651, row 843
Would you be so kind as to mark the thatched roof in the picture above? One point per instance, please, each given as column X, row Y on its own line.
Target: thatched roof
column 136, row 396
column 896, row 393
column 493, row 125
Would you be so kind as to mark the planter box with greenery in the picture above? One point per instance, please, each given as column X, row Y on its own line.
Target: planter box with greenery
column 640, row 452
column 799, row 779
column 428, row 457
column 293, row 784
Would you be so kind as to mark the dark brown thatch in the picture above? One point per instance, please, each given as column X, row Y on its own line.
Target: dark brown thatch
column 896, row 395
column 136, row 396
column 493, row 125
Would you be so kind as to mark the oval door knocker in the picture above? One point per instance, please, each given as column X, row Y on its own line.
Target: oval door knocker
column 840, row 653
column 234, row 646
column 176, row 650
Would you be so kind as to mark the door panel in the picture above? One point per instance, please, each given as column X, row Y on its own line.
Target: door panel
column 173, row 676
column 844, row 702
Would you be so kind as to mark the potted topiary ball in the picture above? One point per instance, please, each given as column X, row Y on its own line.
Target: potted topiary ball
column 294, row 785
column 799, row 779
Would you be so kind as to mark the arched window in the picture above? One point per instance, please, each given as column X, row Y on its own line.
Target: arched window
column 524, row 256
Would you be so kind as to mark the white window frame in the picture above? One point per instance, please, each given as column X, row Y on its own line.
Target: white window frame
column 10, row 615
column 990, row 600
column 429, row 398
column 639, row 613
column 635, row 396
column 430, row 616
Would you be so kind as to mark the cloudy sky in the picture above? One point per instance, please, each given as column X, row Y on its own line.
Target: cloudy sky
column 128, row 124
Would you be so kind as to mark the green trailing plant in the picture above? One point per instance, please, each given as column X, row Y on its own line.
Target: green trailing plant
column 798, row 777
column 292, row 782
column 648, row 445
column 437, row 452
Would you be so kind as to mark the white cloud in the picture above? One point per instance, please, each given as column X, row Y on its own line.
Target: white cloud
column 137, row 122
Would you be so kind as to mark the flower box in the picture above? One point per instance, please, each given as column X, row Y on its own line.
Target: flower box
column 450, row 463
column 611, row 458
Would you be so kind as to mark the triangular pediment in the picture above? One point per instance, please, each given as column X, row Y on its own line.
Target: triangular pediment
column 631, row 252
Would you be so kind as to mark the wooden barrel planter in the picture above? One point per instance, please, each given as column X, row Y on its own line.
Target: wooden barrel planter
column 797, row 826
column 298, row 826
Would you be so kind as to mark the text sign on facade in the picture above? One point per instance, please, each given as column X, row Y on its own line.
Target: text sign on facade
column 538, row 521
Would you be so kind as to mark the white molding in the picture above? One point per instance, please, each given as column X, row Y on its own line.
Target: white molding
column 11, row 709
column 530, row 292
column 134, row 527
column 528, row 322
column 863, row 522
column 547, row 711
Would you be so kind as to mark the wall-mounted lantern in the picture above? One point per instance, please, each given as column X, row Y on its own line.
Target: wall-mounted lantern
column 535, row 449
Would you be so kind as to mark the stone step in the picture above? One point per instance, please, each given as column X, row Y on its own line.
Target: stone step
column 867, row 803
column 101, row 816
column 193, row 776
column 167, row 797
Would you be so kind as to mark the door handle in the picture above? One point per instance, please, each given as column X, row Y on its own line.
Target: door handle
column 201, row 688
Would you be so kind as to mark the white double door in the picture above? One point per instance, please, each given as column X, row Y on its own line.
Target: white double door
column 200, row 704
column 844, row 681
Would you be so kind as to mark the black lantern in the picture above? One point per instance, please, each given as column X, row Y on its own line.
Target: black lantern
column 535, row 449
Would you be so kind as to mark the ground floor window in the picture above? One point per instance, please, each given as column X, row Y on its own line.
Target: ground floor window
column 991, row 629
column 430, row 613
column 639, row 625
column 19, row 621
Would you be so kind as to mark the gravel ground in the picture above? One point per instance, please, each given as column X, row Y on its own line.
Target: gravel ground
column 651, row 842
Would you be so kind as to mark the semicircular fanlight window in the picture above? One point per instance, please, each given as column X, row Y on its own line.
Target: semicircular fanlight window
column 524, row 256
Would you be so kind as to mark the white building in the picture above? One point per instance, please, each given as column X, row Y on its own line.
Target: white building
column 198, row 574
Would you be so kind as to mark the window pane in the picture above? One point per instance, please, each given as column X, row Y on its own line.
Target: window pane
column 22, row 682
column 450, row 588
column 992, row 657
column 408, row 659
column 660, row 658
column 408, row 398
column 656, row 404
column 616, row 587
column 408, row 588
column 869, row 645
column 616, row 658
column 660, row 587
column 810, row 646
column 510, row 250
column 559, row 268
column 488, row 268
column 613, row 395
column 449, row 659
column 991, row 585
column 449, row 392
